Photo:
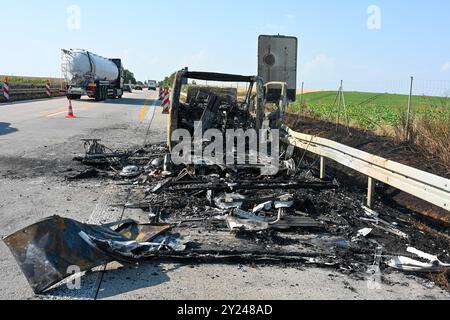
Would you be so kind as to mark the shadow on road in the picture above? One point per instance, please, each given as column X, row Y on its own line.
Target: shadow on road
column 129, row 101
column 122, row 281
column 5, row 128
column 124, row 101
column 128, row 280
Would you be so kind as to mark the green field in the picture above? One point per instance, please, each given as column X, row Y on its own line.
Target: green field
column 372, row 110
column 32, row 80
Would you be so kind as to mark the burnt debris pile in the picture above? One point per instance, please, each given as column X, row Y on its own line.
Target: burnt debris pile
column 228, row 214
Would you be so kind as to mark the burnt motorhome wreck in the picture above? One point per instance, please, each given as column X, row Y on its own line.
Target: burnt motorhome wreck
column 202, row 212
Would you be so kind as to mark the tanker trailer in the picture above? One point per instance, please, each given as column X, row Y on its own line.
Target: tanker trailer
column 92, row 75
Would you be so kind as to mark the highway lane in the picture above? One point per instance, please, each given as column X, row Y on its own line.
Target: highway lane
column 37, row 144
column 25, row 126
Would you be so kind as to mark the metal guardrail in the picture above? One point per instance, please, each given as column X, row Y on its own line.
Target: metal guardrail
column 423, row 185
column 30, row 91
column 13, row 92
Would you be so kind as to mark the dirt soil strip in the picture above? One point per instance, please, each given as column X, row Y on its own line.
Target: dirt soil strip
column 91, row 280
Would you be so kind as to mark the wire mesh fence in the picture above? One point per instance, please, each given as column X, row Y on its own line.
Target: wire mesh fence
column 374, row 105
column 418, row 114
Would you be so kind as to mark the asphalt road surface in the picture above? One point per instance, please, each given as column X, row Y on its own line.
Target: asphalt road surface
column 37, row 145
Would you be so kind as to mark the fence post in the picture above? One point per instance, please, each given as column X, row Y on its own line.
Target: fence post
column 408, row 115
column 340, row 93
column 301, row 96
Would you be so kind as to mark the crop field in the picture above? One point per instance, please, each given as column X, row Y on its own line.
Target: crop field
column 372, row 110
column 18, row 80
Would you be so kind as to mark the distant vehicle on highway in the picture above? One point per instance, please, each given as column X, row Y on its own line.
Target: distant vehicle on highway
column 138, row 87
column 127, row 88
column 92, row 75
column 152, row 85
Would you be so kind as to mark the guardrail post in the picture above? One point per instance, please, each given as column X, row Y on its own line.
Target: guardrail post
column 322, row 168
column 166, row 101
column 48, row 89
column 370, row 193
column 6, row 89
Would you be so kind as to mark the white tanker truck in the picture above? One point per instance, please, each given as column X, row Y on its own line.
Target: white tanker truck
column 92, row 75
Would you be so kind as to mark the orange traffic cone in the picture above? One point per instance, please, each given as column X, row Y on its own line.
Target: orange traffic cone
column 70, row 113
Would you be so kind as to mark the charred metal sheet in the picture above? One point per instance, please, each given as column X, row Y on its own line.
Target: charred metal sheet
column 46, row 251
column 227, row 201
column 142, row 232
column 211, row 110
column 411, row 265
column 204, row 92
column 246, row 224
column 230, row 187
column 266, row 206
column 433, row 263
column 131, row 251
column 130, row 172
column 222, row 77
column 247, row 215
column 163, row 184
column 288, row 222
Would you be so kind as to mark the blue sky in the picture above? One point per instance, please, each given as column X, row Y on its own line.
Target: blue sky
column 157, row 37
